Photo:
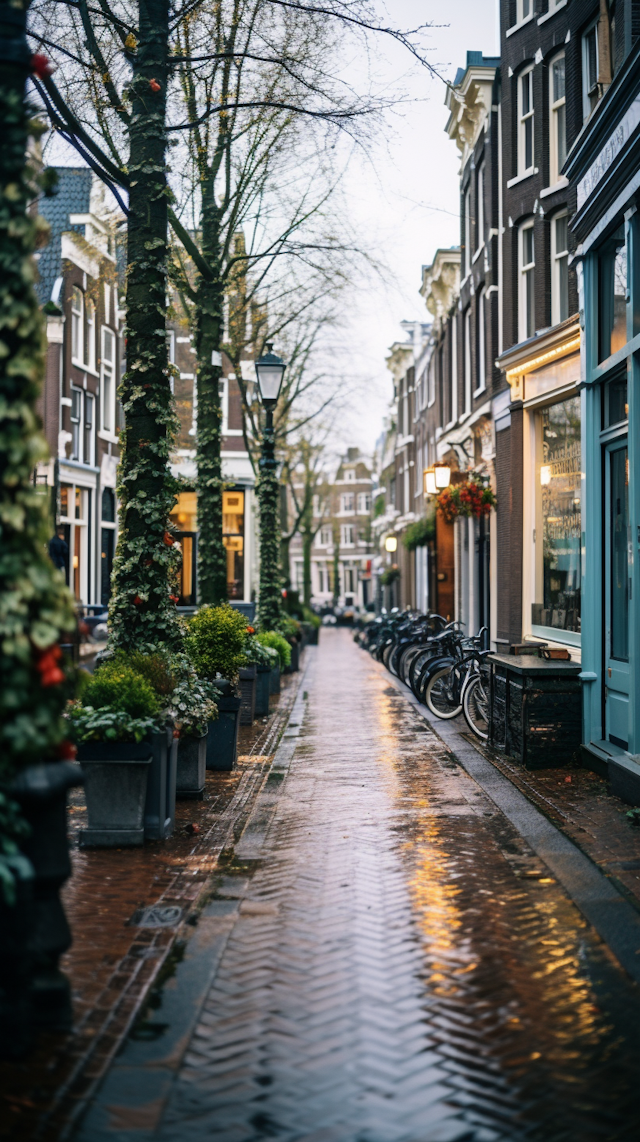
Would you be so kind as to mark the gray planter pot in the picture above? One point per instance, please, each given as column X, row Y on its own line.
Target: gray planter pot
column 263, row 689
column 116, row 776
column 192, row 768
column 248, row 695
column 222, row 738
column 274, row 680
column 160, row 804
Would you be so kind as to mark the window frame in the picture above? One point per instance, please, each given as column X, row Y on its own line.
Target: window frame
column 521, row 15
column 587, row 92
column 524, row 118
column 525, row 269
column 480, row 207
column 481, row 342
column 77, row 326
column 453, row 368
column 555, row 105
column 347, row 529
column 556, row 257
column 468, row 384
column 467, row 229
column 76, row 416
column 344, row 508
column 90, row 335
column 88, row 428
column 108, row 367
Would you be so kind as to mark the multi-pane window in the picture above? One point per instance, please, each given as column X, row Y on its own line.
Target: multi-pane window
column 108, row 380
column 467, row 230
column 76, row 422
column 454, row 368
column 364, row 502
column 326, row 538
column 77, row 324
column 559, row 268
column 90, row 344
column 526, row 290
column 523, row 9
column 525, row 122
column 589, row 70
column 558, row 125
column 89, row 405
column 346, row 535
column 480, row 207
column 346, row 502
column 482, row 375
column 467, row 360
column 612, row 295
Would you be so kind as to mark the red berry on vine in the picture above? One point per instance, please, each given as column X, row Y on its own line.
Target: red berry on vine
column 41, row 66
column 154, row 85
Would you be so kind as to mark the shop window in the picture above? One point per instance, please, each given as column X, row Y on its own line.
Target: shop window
column 233, row 539
column 589, row 70
column 558, row 129
column 612, row 296
column 619, row 557
column 108, row 380
column 526, row 290
column 525, row 122
column 556, row 610
column 559, row 268
column 77, row 325
column 615, row 407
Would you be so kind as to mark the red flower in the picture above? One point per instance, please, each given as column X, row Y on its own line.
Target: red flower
column 168, row 539
column 137, row 602
column 154, row 85
column 251, row 630
column 174, row 598
column 66, row 751
column 47, row 666
column 41, row 66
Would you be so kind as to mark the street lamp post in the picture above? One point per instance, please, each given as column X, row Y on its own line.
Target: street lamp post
column 269, row 371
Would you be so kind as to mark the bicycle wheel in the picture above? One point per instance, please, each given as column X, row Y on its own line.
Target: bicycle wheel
column 407, row 657
column 415, row 670
column 442, row 693
column 386, row 654
column 475, row 705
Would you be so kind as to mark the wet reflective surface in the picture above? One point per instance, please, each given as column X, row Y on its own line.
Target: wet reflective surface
column 400, row 967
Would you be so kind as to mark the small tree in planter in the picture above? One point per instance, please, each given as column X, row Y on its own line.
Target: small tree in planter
column 215, row 644
column 113, row 724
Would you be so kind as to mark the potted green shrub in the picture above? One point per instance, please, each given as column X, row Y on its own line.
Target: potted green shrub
column 292, row 631
column 193, row 709
column 310, row 627
column 112, row 723
column 276, row 641
column 215, row 645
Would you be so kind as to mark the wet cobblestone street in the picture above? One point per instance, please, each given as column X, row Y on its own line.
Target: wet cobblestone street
column 388, row 962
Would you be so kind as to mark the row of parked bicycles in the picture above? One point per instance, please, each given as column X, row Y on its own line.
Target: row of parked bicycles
column 446, row 669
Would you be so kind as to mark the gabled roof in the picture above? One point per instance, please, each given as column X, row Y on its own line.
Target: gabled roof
column 73, row 196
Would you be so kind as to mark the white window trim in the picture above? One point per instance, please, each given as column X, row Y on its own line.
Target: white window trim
column 77, row 320
column 90, row 344
column 521, row 24
column 521, row 177
column 554, row 174
column 467, row 229
column 223, row 388
column 482, row 345
column 586, row 105
column 555, row 276
column 467, row 361
column 552, row 11
column 454, row 368
column 561, row 184
column 522, row 299
column 522, row 170
column 106, row 433
column 479, row 210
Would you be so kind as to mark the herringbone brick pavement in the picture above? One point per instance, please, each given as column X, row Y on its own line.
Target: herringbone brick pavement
column 402, row 968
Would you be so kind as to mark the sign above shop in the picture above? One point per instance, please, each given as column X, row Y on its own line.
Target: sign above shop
column 609, row 152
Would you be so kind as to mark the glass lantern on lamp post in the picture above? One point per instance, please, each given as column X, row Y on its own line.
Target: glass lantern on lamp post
column 269, row 371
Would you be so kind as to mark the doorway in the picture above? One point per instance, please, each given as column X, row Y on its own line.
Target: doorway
column 616, row 589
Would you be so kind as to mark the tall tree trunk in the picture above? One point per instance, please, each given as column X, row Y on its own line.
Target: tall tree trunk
column 35, row 606
column 142, row 612
column 307, row 543
column 336, row 565
column 212, row 560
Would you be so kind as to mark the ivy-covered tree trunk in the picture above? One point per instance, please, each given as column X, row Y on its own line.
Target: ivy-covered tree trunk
column 307, row 543
column 142, row 613
column 212, row 560
column 336, row 565
column 35, row 605
column 270, row 597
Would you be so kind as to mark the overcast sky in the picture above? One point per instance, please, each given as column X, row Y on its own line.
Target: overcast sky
column 411, row 205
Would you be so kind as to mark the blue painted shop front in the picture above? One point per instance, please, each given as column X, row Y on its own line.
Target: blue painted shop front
column 605, row 166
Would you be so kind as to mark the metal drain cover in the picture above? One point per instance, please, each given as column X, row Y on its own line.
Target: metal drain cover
column 157, row 916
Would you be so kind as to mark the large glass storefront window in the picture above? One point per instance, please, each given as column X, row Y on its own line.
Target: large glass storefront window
column 233, row 539
column 556, row 610
column 184, row 516
column 612, row 299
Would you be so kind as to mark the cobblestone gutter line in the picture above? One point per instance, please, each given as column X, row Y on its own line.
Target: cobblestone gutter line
column 34, row 1112
column 614, row 917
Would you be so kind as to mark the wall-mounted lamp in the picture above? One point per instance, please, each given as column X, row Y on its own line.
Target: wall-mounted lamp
column 391, row 543
column 443, row 476
column 429, row 478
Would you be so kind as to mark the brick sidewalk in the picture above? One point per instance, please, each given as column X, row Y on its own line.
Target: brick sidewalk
column 394, row 962
column 114, row 966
